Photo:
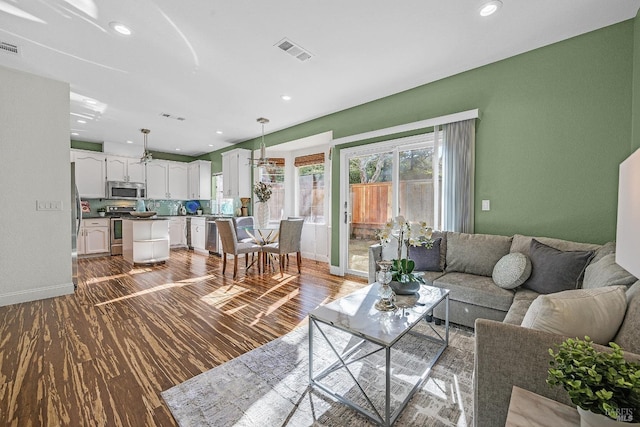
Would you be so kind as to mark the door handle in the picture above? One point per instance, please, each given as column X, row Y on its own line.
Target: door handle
column 346, row 217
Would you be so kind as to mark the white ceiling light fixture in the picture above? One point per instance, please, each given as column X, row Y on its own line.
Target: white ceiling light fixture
column 146, row 155
column 75, row 133
column 286, row 97
column 490, row 7
column 81, row 121
column 129, row 141
column 263, row 161
column 120, row 28
column 219, row 132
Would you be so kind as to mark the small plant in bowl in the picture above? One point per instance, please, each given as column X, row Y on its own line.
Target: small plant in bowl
column 101, row 211
column 603, row 383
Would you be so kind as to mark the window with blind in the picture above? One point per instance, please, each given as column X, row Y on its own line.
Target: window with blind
column 311, row 194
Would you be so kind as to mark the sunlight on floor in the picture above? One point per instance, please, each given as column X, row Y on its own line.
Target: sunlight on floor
column 223, row 295
column 276, row 305
column 104, row 279
column 156, row 289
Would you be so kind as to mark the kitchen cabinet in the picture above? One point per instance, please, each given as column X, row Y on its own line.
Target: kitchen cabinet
column 167, row 180
column 93, row 237
column 200, row 180
column 236, row 173
column 125, row 169
column 178, row 232
column 90, row 173
column 145, row 240
column 199, row 235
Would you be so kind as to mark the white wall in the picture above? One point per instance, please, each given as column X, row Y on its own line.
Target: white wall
column 35, row 246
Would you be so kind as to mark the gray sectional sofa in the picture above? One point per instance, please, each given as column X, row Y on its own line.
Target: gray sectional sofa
column 513, row 330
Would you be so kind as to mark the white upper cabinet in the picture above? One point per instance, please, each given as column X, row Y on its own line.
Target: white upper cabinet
column 90, row 174
column 236, row 173
column 178, row 181
column 200, row 180
column 124, row 169
column 167, row 180
column 158, row 179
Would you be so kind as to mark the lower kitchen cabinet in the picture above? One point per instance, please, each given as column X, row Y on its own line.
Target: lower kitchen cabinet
column 93, row 237
column 199, row 235
column 145, row 241
column 178, row 232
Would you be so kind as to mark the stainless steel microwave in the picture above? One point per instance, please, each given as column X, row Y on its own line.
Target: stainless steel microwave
column 125, row 190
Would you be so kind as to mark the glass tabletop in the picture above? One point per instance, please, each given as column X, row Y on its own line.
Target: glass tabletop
column 356, row 313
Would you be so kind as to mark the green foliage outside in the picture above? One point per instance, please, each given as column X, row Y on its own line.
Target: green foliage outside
column 414, row 165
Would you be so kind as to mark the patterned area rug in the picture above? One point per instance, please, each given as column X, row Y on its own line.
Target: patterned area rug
column 269, row 385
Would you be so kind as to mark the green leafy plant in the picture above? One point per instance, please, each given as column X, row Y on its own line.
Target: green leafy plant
column 600, row 382
column 101, row 210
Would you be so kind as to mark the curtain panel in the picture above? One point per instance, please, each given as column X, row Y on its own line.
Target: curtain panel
column 458, row 149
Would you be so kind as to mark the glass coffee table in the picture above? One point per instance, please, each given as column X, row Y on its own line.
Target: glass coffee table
column 372, row 332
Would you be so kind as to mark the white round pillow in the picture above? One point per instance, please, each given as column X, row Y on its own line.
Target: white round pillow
column 512, row 270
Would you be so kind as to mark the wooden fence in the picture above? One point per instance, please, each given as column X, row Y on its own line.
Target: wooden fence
column 371, row 205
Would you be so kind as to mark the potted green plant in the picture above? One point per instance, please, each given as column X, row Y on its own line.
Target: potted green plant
column 604, row 386
column 403, row 279
column 101, row 211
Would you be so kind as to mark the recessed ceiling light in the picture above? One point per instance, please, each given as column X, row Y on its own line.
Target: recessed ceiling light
column 210, row 145
column 219, row 132
column 120, row 28
column 177, row 149
column 286, row 98
column 82, row 121
column 91, row 101
column 75, row 133
column 129, row 141
column 490, row 7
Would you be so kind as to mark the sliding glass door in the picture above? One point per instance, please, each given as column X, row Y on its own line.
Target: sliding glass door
column 383, row 181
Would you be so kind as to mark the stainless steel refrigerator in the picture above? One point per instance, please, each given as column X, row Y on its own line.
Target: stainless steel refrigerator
column 76, row 219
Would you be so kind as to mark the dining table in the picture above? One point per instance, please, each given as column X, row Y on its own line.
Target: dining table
column 263, row 235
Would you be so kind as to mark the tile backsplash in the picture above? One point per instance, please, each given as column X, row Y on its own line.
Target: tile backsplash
column 162, row 207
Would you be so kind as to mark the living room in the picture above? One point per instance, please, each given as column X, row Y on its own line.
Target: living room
column 555, row 124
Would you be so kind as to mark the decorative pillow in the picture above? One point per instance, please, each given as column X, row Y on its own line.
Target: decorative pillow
column 628, row 336
column 475, row 253
column 426, row 259
column 512, row 270
column 553, row 270
column 596, row 313
column 606, row 272
column 523, row 243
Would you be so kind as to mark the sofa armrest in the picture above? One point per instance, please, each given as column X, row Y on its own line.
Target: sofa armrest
column 508, row 355
column 375, row 254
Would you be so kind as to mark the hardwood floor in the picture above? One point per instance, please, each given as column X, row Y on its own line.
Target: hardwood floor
column 102, row 356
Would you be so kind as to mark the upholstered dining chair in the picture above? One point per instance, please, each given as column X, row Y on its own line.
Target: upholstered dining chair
column 288, row 242
column 240, row 222
column 231, row 245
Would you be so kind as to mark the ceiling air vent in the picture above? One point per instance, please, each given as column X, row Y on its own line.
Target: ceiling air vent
column 9, row 48
column 294, row 50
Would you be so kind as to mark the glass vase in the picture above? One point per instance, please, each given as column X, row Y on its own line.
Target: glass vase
column 386, row 294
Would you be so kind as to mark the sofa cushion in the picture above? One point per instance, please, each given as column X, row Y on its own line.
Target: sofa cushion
column 522, row 244
column 604, row 250
column 475, row 253
column 476, row 290
column 512, row 270
column 553, row 270
column 628, row 336
column 426, row 259
column 606, row 272
column 521, row 302
column 596, row 313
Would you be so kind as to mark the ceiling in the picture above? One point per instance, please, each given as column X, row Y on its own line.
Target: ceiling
column 215, row 64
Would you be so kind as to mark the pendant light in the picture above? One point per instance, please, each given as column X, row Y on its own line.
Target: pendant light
column 263, row 161
column 146, row 155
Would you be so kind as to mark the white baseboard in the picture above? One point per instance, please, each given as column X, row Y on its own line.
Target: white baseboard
column 36, row 294
column 336, row 270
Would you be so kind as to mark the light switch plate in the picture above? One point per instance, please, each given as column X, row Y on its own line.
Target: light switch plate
column 49, row 205
column 486, row 205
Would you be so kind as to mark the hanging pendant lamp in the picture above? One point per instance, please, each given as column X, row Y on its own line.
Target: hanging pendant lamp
column 146, row 155
column 263, row 161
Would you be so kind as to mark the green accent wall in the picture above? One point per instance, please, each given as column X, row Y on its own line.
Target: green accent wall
column 554, row 125
column 97, row 146
column 84, row 145
column 635, row 143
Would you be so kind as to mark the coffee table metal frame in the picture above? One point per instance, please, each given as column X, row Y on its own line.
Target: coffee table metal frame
column 334, row 315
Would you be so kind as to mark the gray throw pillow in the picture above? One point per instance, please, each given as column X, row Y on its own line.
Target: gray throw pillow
column 606, row 272
column 426, row 259
column 475, row 253
column 512, row 270
column 553, row 270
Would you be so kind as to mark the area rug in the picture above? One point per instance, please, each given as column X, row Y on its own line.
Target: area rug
column 269, row 386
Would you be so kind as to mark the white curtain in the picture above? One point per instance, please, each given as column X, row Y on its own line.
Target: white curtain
column 458, row 163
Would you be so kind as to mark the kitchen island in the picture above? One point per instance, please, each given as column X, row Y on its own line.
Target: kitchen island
column 145, row 240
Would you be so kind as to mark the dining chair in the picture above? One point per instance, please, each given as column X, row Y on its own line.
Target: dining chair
column 231, row 245
column 288, row 242
column 240, row 223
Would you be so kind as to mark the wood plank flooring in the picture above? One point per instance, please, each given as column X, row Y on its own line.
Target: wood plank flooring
column 102, row 356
